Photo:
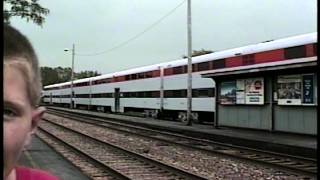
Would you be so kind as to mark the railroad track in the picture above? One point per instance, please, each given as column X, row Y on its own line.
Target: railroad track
column 293, row 164
column 117, row 162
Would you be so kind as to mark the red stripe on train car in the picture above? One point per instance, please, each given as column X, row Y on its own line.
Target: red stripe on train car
column 269, row 56
column 234, row 61
column 309, row 50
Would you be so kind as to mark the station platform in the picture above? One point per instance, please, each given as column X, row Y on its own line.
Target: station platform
column 288, row 143
column 41, row 156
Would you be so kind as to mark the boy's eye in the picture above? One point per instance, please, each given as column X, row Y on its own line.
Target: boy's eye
column 9, row 113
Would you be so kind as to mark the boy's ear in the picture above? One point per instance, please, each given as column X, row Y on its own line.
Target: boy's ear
column 36, row 116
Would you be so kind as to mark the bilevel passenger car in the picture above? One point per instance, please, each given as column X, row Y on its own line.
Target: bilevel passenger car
column 161, row 89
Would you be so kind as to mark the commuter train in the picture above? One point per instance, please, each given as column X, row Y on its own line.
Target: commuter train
column 160, row 90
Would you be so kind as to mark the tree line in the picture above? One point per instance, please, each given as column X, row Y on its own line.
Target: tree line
column 58, row 75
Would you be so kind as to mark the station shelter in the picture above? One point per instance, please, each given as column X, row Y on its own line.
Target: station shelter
column 275, row 96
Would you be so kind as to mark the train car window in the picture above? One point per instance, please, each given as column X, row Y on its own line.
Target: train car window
column 295, row 52
column 82, row 95
column 168, row 94
column 211, row 92
column 133, row 76
column 203, row 66
column 185, row 69
column 176, row 93
column 133, row 94
column 140, row 75
column 195, row 93
column 155, row 94
column 127, row 77
column 248, row 59
column 203, row 93
column 100, row 95
column 148, row 74
column 148, row 94
column 217, row 64
column 65, row 96
column 108, row 80
column 179, row 93
column 140, row 94
column 194, row 68
column 126, row 94
column 178, row 70
column 155, row 73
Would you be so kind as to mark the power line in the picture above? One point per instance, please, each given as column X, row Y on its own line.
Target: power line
column 136, row 36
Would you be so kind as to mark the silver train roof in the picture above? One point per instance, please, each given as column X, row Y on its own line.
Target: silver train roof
column 254, row 48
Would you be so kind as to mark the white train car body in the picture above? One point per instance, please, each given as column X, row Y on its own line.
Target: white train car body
column 162, row 87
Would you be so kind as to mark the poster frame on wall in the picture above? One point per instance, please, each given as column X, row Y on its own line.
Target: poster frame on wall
column 308, row 89
column 254, row 91
column 242, row 92
column 228, row 93
column 289, row 88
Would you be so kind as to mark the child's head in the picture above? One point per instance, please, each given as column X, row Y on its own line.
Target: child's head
column 22, row 86
column 18, row 53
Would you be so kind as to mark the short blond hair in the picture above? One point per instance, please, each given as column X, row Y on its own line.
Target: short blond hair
column 19, row 53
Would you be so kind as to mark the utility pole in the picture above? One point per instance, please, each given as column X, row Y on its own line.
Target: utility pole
column 72, row 75
column 189, row 91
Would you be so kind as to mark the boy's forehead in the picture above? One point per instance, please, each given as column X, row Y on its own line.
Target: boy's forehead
column 15, row 91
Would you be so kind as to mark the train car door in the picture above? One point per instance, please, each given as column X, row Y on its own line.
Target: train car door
column 116, row 99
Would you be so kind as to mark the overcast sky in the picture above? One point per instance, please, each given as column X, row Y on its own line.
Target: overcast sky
column 98, row 25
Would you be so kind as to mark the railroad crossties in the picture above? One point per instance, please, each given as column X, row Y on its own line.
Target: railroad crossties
column 180, row 156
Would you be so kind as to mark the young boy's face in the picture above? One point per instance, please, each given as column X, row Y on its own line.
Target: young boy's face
column 20, row 118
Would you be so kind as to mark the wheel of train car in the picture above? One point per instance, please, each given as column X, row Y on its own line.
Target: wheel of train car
column 195, row 118
column 182, row 117
column 154, row 114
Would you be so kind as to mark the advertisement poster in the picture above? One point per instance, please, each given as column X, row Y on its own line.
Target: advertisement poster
column 240, row 94
column 254, row 91
column 228, row 92
column 289, row 90
column 307, row 85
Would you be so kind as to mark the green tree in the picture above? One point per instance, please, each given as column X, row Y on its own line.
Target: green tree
column 86, row 74
column 49, row 76
column 26, row 9
column 58, row 75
